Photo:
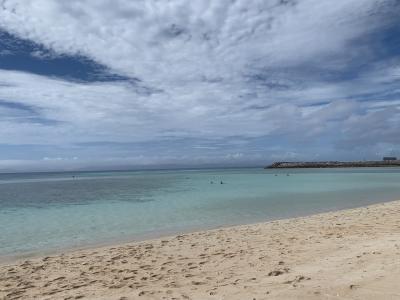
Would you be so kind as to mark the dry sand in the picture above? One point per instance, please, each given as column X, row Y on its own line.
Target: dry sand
column 350, row 254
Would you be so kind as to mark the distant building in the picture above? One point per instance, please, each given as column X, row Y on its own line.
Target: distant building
column 386, row 158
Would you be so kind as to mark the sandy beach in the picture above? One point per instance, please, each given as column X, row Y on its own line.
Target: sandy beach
column 349, row 254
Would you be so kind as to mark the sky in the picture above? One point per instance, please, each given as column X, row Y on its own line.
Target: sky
column 152, row 83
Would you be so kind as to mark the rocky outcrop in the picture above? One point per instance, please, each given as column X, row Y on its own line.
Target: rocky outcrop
column 333, row 164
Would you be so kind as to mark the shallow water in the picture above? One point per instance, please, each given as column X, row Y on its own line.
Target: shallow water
column 53, row 211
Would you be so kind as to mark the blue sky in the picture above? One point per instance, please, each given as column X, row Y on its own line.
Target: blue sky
column 122, row 84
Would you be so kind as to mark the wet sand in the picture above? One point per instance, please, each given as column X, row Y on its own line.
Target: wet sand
column 349, row 254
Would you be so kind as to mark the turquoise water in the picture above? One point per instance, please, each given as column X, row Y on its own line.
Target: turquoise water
column 53, row 211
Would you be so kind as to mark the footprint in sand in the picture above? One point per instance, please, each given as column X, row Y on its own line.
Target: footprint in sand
column 278, row 272
column 198, row 283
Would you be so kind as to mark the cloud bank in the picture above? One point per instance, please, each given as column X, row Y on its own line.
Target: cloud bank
column 178, row 82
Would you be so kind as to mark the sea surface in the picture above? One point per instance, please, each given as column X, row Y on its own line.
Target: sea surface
column 47, row 212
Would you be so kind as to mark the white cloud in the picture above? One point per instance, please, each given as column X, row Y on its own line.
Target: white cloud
column 202, row 58
column 180, row 41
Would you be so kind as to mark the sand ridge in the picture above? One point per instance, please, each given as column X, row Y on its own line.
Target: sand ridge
column 349, row 254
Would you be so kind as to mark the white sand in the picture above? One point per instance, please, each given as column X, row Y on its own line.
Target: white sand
column 350, row 254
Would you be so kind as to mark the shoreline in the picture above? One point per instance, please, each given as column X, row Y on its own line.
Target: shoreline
column 150, row 237
column 353, row 253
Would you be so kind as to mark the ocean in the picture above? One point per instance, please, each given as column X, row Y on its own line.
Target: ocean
column 47, row 212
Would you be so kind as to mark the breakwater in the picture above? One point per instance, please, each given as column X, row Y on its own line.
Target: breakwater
column 333, row 164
